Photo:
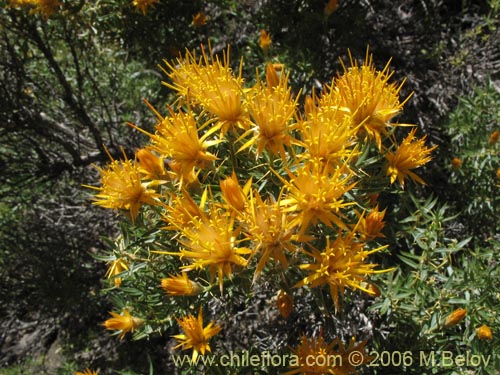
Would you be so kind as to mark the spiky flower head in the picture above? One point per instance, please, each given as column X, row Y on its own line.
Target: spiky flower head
column 264, row 40
column 143, row 5
column 196, row 336
column 410, row 154
column 314, row 194
column 455, row 317
column 116, row 267
column 199, row 20
column 235, row 196
column 340, row 265
column 316, row 356
column 125, row 322
column 484, row 333
column 272, row 109
column 180, row 285
column 182, row 211
column 151, row 165
column 87, row 372
column 210, row 83
column 370, row 226
column 369, row 97
column 122, row 187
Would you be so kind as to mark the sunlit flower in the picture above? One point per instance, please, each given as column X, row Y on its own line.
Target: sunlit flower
column 272, row 108
column 125, row 323
column 87, row 372
column 494, row 137
column 116, row 267
column 484, row 333
column 210, row 83
column 342, row 264
column 199, row 20
column 456, row 163
column 213, row 244
column 455, row 317
column 143, row 5
column 269, row 227
column 264, row 40
column 314, row 194
column 177, row 139
column 122, row 188
column 233, row 194
column 182, row 211
column 368, row 96
column 371, row 225
column 410, row 154
column 330, row 7
column 196, row 336
column 180, row 285
column 315, row 356
column 152, row 166
column 498, row 173
column 284, row 301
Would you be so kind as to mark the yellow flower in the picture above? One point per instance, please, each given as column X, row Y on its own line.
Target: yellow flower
column 196, row 336
column 409, row 155
column 327, row 133
column 455, row 317
column 143, row 5
column 199, row 20
column 183, row 211
column 87, row 372
column 272, row 109
column 180, row 285
column 498, row 173
column 125, row 323
column 285, row 303
column 330, row 7
column 210, row 83
column 368, row 96
column 152, row 166
column 340, row 265
column 456, row 163
column 314, row 194
column 122, row 188
column 264, row 40
column 117, row 266
column 315, row 356
column 494, row 137
column 484, row 333
column 269, row 227
column 212, row 244
column 370, row 227
column 233, row 194
column 176, row 138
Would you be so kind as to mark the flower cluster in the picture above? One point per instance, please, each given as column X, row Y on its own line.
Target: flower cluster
column 243, row 180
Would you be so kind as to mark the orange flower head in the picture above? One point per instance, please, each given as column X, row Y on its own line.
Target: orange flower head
column 183, row 212
column 116, row 267
column 367, row 95
column 330, row 7
column 199, row 20
column 455, row 317
column 370, row 227
column 196, row 336
column 87, row 372
column 264, row 40
column 456, row 163
column 210, row 83
column 152, row 166
column 143, row 5
column 409, row 155
column 340, row 265
column 484, row 333
column 234, row 195
column 494, row 137
column 125, row 323
column 285, row 303
column 180, row 285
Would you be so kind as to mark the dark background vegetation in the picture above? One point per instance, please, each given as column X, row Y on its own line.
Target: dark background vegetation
column 69, row 84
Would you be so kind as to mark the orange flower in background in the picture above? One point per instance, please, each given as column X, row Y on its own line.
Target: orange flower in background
column 264, row 40
column 195, row 336
column 46, row 8
column 371, row 225
column 125, row 323
column 494, row 137
column 498, row 173
column 330, row 7
column 484, row 333
column 199, row 20
column 456, row 163
column 284, row 302
column 143, row 5
column 87, row 372
column 455, row 317
column 410, row 154
column 117, row 266
column 180, row 285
